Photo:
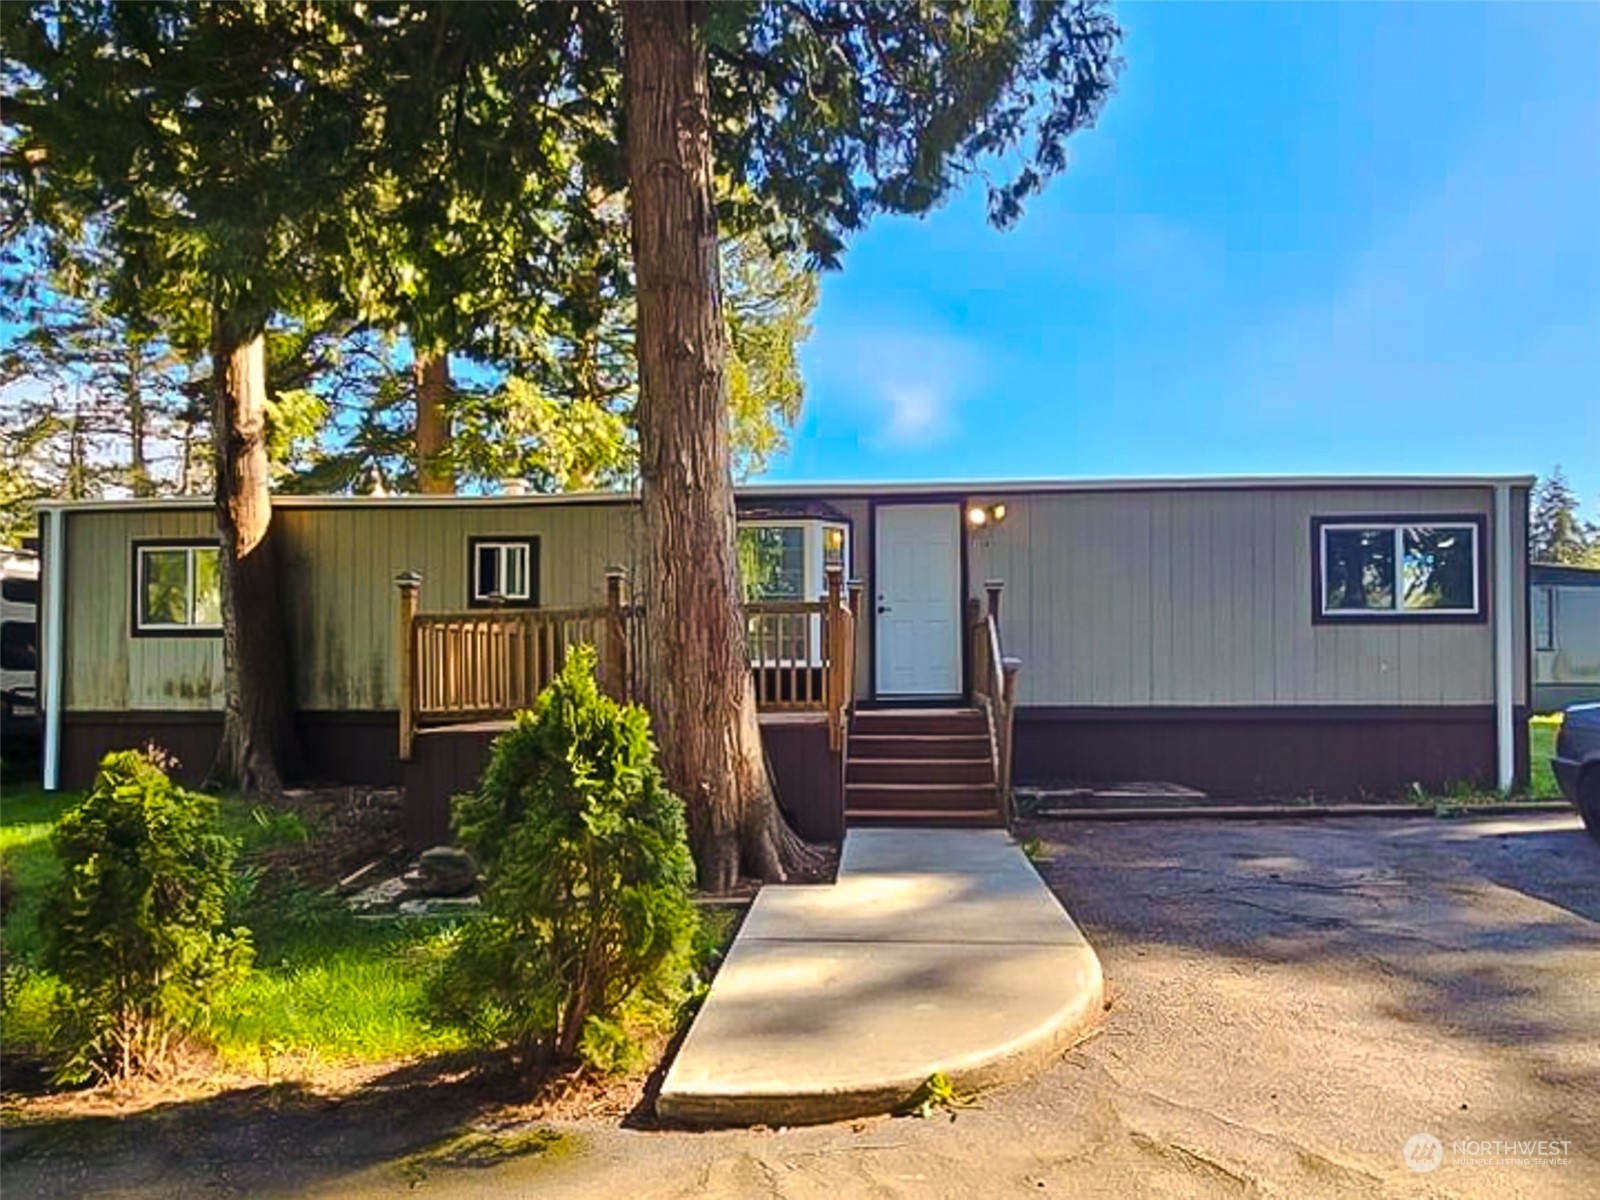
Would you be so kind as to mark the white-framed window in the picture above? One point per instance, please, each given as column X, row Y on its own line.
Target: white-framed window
column 503, row 571
column 1418, row 568
column 177, row 588
column 787, row 559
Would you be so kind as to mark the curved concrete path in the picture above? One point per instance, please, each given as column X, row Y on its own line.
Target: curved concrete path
column 937, row 950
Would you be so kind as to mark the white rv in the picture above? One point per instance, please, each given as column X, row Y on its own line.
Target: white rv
column 19, row 649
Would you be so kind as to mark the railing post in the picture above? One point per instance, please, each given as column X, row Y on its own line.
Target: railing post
column 833, row 628
column 615, row 668
column 409, row 584
column 1008, row 702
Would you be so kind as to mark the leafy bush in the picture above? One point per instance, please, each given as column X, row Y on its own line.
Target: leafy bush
column 134, row 926
column 588, row 921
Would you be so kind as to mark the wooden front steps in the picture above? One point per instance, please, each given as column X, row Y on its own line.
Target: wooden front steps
column 921, row 767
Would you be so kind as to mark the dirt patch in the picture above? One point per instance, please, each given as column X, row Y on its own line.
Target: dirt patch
column 349, row 828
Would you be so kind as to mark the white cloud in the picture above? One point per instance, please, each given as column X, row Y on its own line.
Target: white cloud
column 906, row 387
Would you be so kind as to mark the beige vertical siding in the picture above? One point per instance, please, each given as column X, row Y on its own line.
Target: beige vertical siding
column 1130, row 598
column 338, row 565
column 105, row 668
column 1194, row 597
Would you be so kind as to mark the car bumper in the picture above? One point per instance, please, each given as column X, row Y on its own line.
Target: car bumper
column 1566, row 771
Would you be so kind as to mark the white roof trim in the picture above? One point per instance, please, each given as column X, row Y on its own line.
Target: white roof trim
column 844, row 489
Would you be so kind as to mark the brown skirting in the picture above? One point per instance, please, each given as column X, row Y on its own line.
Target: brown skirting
column 449, row 760
column 1334, row 751
column 809, row 777
column 363, row 748
column 339, row 747
column 445, row 762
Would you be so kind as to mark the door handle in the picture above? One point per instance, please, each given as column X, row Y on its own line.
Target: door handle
column 883, row 608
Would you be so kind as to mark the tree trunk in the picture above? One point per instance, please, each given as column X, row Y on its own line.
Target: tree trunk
column 431, row 376
column 697, row 679
column 259, row 745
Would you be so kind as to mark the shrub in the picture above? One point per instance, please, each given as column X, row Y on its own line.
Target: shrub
column 134, row 926
column 588, row 920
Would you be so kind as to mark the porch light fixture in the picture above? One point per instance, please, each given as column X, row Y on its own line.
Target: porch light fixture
column 833, row 539
column 980, row 517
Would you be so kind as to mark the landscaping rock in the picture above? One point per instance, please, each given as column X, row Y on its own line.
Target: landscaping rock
column 380, row 897
column 440, row 906
column 444, row 871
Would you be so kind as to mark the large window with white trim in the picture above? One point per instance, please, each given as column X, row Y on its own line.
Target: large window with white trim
column 1414, row 569
column 177, row 588
column 787, row 560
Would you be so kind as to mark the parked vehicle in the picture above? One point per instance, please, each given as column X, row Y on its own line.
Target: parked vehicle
column 19, row 651
column 1577, row 762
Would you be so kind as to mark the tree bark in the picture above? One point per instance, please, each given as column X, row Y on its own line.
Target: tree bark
column 431, row 376
column 697, row 679
column 259, row 746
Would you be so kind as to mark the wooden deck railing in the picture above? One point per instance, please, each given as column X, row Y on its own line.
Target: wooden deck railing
column 802, row 653
column 487, row 663
column 994, row 685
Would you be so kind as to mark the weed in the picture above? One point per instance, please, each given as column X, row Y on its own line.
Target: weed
column 938, row 1094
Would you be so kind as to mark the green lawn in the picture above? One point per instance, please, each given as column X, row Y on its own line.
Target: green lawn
column 1541, row 745
column 326, row 985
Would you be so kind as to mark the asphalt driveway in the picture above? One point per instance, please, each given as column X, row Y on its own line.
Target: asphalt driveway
column 1291, row 1002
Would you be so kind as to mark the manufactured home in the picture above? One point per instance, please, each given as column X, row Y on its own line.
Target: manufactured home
column 915, row 647
column 1566, row 635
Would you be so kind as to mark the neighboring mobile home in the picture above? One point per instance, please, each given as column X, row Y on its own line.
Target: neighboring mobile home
column 1566, row 635
column 1246, row 637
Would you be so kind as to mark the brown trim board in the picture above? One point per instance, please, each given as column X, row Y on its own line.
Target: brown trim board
column 1281, row 751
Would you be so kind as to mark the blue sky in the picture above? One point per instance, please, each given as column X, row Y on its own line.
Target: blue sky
column 1303, row 238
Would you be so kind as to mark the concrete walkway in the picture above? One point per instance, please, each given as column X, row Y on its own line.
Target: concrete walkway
column 935, row 951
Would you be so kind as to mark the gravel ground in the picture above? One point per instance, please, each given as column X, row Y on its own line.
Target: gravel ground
column 1291, row 1002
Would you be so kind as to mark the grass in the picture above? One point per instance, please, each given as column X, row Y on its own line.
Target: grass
column 1542, row 732
column 327, row 986
column 330, row 985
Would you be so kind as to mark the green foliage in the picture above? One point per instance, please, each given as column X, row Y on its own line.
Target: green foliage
column 767, row 299
column 89, row 401
column 588, row 918
column 134, row 927
column 453, row 175
column 328, row 984
column 1557, row 532
column 323, row 985
column 825, row 112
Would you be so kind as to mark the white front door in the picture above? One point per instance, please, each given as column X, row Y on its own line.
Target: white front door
column 917, row 568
